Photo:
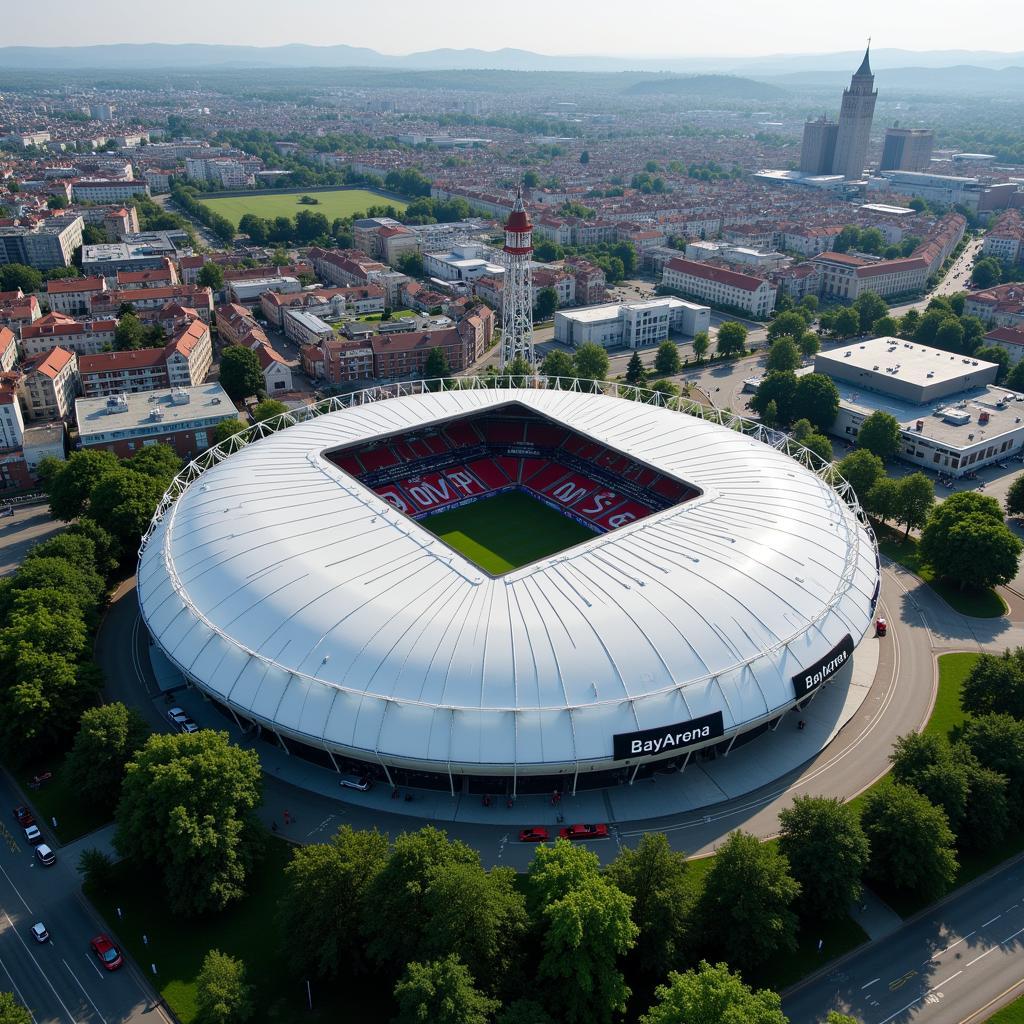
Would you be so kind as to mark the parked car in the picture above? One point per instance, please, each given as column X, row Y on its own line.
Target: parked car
column 24, row 816
column 33, row 836
column 881, row 627
column 106, row 952
column 45, row 855
column 353, row 781
column 39, row 932
column 6, row 511
column 188, row 726
column 584, row 832
column 177, row 715
column 538, row 834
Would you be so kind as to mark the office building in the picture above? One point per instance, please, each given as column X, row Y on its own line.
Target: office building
column 818, row 150
column 630, row 324
column 49, row 244
column 907, row 149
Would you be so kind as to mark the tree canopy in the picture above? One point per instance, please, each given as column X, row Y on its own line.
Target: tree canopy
column 713, row 995
column 880, row 434
column 441, row 992
column 240, row 373
column 107, row 739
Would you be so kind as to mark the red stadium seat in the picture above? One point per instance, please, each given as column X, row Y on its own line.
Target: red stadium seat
column 489, row 473
column 530, row 468
column 462, row 434
column 377, row 458
column 511, row 467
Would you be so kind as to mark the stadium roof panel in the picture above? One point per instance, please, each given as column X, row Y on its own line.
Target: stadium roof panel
column 298, row 596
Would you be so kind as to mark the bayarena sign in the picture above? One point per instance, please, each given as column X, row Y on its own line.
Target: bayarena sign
column 669, row 737
column 810, row 679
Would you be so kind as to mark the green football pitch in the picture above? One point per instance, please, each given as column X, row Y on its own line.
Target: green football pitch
column 340, row 203
column 504, row 532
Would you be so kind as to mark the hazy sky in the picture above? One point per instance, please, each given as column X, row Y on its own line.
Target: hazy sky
column 654, row 27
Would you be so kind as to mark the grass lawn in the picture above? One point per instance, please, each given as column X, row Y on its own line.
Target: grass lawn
column 482, row 533
column 60, row 798
column 785, row 969
column 340, row 203
column 1012, row 1014
column 248, row 930
column 947, row 713
column 983, row 604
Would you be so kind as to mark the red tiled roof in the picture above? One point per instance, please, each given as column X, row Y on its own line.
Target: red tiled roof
column 75, row 284
column 49, row 364
column 717, row 274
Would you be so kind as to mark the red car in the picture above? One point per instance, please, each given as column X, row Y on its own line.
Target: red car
column 584, row 832
column 881, row 627
column 107, row 953
column 534, row 835
column 24, row 817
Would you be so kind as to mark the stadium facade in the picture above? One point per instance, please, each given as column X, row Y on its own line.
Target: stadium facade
column 722, row 584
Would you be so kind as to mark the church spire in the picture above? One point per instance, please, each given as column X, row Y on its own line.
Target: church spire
column 865, row 64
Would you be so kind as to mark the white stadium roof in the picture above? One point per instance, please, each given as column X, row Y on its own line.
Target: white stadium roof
column 301, row 599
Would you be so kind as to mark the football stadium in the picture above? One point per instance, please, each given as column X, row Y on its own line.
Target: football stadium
column 507, row 589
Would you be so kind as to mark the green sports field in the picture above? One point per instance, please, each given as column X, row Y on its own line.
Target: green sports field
column 506, row 531
column 342, row 203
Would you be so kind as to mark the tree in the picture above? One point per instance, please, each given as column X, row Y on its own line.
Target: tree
column 880, row 434
column 713, row 995
column 530, row 179
column 395, row 922
column 911, row 841
column 778, row 387
column 158, row 461
column 997, row 741
column 240, row 373
column 585, row 927
column 211, row 275
column 732, row 337
column 846, row 323
column 809, row 344
column 186, row 810
column 129, row 333
column 816, row 398
column 770, row 414
column 783, row 355
column 524, row 1011
column 995, row 684
column 124, row 502
column 820, row 445
column 840, row 1018
column 268, row 409
column 108, row 737
column 790, row 324
column 591, row 362
column 98, row 872
column 986, row 273
column 480, row 916
column 915, row 496
column 12, row 1012
column 746, row 907
column 666, row 361
column 57, row 202
column 993, row 354
column 701, row 344
column 885, row 327
column 636, row 372
column 410, row 263
column 966, row 540
column 441, row 992
column 222, row 996
column 664, row 897
column 828, row 853
column 861, row 469
column 69, row 484
column 226, row 429
column 17, row 275
column 883, row 498
column 547, row 303
column 950, row 335
column 436, row 364
column 870, row 307
column 558, row 364
column 326, row 899
column 925, row 761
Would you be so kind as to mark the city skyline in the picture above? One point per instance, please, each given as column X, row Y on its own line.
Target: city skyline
column 754, row 30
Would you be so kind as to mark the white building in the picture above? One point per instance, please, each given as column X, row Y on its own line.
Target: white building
column 305, row 328
column 247, row 291
column 465, row 262
column 754, row 295
column 630, row 324
column 737, row 255
column 102, row 190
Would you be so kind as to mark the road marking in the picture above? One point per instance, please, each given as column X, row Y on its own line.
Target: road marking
column 15, row 888
column 46, row 978
column 950, row 946
column 1014, row 935
column 17, row 990
column 93, row 966
column 986, row 953
column 869, row 984
column 898, row 983
column 993, row 921
column 946, row 982
column 991, row 1003
column 82, row 987
column 904, row 1010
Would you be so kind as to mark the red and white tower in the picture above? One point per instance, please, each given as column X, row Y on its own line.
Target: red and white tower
column 517, row 291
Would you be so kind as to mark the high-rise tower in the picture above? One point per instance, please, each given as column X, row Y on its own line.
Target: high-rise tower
column 517, row 290
column 855, row 122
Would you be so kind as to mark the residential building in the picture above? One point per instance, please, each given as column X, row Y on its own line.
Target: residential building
column 8, row 349
column 1005, row 238
column 44, row 245
column 247, row 291
column 104, row 190
column 17, row 310
column 73, row 295
column 907, row 149
column 465, row 263
column 591, row 283
column 563, row 284
column 184, row 418
column 999, row 306
column 113, row 258
column 755, row 296
column 844, row 276
column 630, row 324
column 83, row 337
column 1009, row 339
column 49, row 384
column 12, row 423
column 304, row 328
column 338, row 361
column 160, row 277
column 44, row 441
column 145, row 300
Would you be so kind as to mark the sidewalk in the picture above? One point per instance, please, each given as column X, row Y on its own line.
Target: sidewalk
column 702, row 784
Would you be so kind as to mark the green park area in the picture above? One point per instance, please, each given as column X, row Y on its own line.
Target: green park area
column 332, row 204
column 1012, row 1014
column 482, row 532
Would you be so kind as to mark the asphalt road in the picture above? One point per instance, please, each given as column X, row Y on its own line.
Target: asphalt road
column 30, row 524
column 955, row 964
column 59, row 981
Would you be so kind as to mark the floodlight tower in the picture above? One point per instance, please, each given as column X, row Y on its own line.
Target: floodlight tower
column 517, row 291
